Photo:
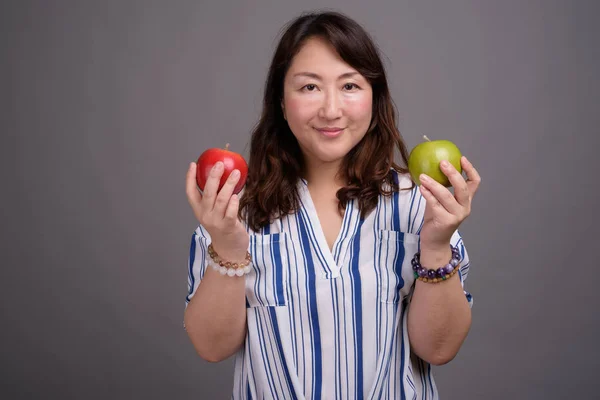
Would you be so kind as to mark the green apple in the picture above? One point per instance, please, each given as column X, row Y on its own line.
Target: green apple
column 425, row 158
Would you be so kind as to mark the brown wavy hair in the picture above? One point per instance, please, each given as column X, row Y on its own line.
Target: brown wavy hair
column 276, row 162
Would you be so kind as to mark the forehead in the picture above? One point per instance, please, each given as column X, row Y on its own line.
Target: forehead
column 319, row 56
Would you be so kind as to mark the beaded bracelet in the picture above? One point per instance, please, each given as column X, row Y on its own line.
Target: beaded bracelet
column 436, row 275
column 227, row 267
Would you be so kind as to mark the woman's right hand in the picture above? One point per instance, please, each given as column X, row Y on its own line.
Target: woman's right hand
column 217, row 212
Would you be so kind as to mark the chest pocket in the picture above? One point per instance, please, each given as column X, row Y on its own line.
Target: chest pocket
column 266, row 284
column 393, row 253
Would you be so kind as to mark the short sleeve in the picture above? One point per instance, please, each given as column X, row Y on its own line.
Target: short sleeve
column 415, row 204
column 196, row 261
column 465, row 263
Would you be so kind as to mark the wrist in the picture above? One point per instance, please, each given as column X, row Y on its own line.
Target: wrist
column 433, row 256
column 227, row 253
column 231, row 267
column 426, row 264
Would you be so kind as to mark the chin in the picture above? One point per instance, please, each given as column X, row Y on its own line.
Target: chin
column 328, row 152
column 330, row 157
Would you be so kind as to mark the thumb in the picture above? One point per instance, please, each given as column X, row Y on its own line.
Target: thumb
column 191, row 187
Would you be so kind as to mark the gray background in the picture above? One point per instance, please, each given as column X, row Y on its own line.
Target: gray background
column 103, row 105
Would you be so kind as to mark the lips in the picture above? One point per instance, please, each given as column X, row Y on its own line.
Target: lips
column 330, row 131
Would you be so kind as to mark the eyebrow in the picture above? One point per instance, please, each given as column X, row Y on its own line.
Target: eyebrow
column 316, row 76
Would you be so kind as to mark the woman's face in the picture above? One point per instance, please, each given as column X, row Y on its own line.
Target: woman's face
column 327, row 103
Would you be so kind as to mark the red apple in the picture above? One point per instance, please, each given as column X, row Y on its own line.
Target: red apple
column 231, row 161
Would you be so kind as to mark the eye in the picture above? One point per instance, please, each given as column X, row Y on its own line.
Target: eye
column 351, row 86
column 310, row 87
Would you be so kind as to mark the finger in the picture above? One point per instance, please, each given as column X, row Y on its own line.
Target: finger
column 225, row 193
column 461, row 189
column 231, row 213
column 211, row 187
column 441, row 194
column 191, row 187
column 430, row 200
column 473, row 178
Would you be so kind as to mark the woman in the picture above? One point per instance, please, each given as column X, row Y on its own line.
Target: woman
column 331, row 243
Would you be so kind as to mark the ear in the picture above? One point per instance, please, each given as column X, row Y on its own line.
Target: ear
column 283, row 110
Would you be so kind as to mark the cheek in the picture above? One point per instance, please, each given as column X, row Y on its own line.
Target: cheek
column 298, row 110
column 361, row 109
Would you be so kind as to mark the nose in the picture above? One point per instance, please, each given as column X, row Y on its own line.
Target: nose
column 332, row 107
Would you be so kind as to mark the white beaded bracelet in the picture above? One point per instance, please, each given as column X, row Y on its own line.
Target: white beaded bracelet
column 229, row 271
column 226, row 267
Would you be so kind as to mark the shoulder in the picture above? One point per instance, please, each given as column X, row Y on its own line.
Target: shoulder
column 403, row 179
column 409, row 202
column 407, row 189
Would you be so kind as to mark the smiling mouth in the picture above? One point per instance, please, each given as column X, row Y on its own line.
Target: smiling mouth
column 330, row 132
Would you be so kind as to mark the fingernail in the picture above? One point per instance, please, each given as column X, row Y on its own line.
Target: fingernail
column 235, row 173
column 445, row 164
column 424, row 178
column 217, row 166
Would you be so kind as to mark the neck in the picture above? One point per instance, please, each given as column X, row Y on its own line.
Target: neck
column 324, row 176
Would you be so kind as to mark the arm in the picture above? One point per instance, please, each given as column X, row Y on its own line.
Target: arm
column 439, row 316
column 215, row 318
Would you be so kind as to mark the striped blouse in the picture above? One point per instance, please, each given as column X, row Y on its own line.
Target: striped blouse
column 331, row 324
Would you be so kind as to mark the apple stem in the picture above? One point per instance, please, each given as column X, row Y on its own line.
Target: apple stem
column 227, row 146
column 426, row 138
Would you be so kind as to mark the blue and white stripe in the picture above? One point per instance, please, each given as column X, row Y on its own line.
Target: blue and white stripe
column 331, row 324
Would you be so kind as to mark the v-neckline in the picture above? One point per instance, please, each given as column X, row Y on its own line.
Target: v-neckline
column 327, row 252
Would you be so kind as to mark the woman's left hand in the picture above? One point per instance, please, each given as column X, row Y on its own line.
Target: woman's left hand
column 445, row 211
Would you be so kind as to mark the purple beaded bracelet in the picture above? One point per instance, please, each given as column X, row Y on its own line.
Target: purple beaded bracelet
column 436, row 275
